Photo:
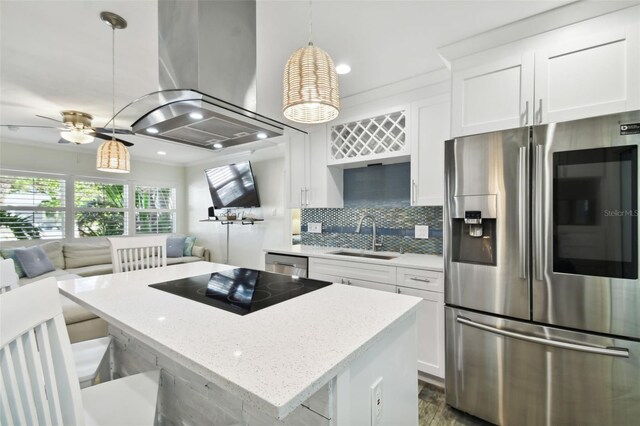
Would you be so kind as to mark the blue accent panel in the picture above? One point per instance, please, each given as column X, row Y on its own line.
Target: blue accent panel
column 378, row 186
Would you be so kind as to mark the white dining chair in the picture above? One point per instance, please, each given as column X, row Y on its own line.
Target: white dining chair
column 91, row 357
column 37, row 376
column 135, row 253
column 8, row 276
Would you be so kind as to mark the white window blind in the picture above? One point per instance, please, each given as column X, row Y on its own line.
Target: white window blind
column 100, row 208
column 155, row 210
column 31, row 207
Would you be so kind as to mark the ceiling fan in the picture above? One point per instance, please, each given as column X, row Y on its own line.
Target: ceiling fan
column 76, row 128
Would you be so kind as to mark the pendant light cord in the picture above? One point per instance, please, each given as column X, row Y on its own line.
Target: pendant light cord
column 113, row 81
column 310, row 22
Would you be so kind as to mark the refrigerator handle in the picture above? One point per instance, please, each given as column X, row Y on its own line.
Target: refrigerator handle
column 601, row 350
column 526, row 113
column 539, row 250
column 523, row 172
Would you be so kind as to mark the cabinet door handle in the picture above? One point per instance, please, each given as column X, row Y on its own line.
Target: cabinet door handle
column 424, row 280
column 348, row 282
column 398, row 290
column 301, row 197
column 413, row 191
column 540, row 111
column 341, row 280
column 526, row 113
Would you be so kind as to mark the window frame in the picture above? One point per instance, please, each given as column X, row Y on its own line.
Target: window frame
column 69, row 208
column 173, row 211
column 65, row 199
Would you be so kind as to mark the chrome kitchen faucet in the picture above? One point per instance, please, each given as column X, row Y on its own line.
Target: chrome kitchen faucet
column 374, row 244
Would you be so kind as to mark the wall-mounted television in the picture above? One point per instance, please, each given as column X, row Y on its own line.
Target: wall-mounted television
column 232, row 185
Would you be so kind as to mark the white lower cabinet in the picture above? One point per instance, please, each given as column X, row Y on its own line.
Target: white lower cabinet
column 430, row 329
column 422, row 283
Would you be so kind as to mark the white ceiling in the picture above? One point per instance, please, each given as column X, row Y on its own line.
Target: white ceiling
column 56, row 55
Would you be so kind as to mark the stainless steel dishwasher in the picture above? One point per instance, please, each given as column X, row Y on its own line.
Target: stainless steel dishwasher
column 286, row 264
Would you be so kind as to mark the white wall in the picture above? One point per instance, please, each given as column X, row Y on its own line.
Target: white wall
column 32, row 158
column 246, row 242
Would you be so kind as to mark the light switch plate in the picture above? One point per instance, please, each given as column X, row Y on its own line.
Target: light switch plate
column 422, row 231
column 314, row 228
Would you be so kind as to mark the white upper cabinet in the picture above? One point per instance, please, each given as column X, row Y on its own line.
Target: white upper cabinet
column 493, row 95
column 298, row 170
column 310, row 183
column 430, row 121
column 583, row 70
column 589, row 76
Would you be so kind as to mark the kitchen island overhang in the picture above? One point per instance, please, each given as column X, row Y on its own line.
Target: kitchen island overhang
column 273, row 359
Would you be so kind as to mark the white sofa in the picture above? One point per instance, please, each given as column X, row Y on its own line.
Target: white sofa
column 73, row 260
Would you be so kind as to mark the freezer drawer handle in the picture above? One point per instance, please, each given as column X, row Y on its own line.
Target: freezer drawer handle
column 424, row 280
column 624, row 353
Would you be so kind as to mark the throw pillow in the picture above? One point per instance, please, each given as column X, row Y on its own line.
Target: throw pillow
column 10, row 253
column 34, row 261
column 175, row 246
column 188, row 246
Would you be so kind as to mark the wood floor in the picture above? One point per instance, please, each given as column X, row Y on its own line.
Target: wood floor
column 433, row 410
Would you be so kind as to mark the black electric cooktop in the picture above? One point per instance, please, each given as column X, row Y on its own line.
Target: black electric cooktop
column 241, row 290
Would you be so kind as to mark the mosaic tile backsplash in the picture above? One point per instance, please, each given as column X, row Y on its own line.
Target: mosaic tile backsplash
column 394, row 224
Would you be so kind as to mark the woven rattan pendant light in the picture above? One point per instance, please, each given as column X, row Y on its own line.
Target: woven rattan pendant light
column 112, row 155
column 310, row 83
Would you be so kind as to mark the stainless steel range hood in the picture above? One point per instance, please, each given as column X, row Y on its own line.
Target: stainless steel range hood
column 207, row 67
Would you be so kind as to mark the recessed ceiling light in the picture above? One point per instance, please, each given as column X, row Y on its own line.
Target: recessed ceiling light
column 196, row 115
column 261, row 135
column 162, row 153
column 217, row 145
column 152, row 130
column 343, row 69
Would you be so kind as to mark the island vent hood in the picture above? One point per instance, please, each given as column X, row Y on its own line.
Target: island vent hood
column 207, row 55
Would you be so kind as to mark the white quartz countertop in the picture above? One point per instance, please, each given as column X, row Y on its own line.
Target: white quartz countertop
column 407, row 260
column 274, row 358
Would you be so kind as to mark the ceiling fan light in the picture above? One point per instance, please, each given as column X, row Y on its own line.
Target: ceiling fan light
column 113, row 157
column 76, row 136
column 310, row 87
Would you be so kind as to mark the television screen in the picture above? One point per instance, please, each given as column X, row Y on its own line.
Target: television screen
column 232, row 186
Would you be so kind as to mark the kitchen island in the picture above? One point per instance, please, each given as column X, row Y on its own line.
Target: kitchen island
column 308, row 360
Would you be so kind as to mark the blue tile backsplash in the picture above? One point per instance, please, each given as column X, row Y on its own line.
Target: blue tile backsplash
column 378, row 186
column 394, row 224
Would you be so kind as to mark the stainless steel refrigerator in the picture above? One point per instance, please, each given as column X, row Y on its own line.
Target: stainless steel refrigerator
column 541, row 270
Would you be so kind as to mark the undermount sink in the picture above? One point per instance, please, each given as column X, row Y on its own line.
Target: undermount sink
column 367, row 255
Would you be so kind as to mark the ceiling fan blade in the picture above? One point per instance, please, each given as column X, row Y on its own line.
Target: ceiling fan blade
column 108, row 131
column 61, row 140
column 108, row 138
column 49, row 118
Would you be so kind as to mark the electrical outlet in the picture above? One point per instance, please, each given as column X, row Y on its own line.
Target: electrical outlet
column 422, row 231
column 314, row 228
column 376, row 402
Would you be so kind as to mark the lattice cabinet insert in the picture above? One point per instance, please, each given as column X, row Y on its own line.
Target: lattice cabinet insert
column 378, row 137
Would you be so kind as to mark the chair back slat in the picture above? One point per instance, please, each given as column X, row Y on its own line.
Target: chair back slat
column 39, row 381
column 6, row 418
column 136, row 253
column 37, row 378
column 11, row 386
column 23, row 379
column 8, row 276
column 48, row 372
